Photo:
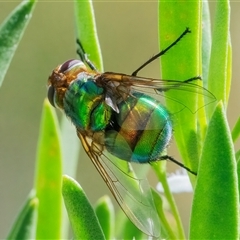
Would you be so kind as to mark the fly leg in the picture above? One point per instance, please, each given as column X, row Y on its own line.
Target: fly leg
column 187, row 30
column 190, row 80
column 166, row 157
column 84, row 56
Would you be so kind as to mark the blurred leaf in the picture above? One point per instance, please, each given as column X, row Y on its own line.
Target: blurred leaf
column 80, row 212
column 25, row 225
column 219, row 79
column 130, row 231
column 86, row 31
column 238, row 170
column 237, row 155
column 215, row 204
column 49, row 176
column 229, row 69
column 105, row 213
column 70, row 152
column 11, row 32
column 125, row 229
column 167, row 231
column 206, row 41
column 236, row 130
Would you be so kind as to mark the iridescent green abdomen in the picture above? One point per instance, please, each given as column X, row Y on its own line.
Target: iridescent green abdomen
column 84, row 103
column 141, row 130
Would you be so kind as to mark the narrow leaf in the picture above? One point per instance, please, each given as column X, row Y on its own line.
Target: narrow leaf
column 236, row 130
column 105, row 212
column 70, row 151
column 11, row 32
column 167, row 229
column 132, row 232
column 229, row 69
column 238, row 170
column 180, row 63
column 219, row 71
column 49, row 176
column 237, row 155
column 25, row 225
column 86, row 31
column 80, row 212
column 215, row 204
column 206, row 41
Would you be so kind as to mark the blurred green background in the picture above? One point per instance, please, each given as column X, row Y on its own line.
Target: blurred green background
column 128, row 35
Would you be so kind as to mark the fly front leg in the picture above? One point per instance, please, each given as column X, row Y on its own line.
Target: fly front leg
column 84, row 56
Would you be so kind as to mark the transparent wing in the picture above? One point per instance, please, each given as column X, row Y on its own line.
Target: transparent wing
column 132, row 194
column 160, row 86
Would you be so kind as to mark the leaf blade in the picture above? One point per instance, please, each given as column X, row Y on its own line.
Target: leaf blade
column 217, row 167
column 48, row 176
column 219, row 79
column 25, row 225
column 181, row 63
column 86, row 31
column 105, row 212
column 81, row 214
column 11, row 32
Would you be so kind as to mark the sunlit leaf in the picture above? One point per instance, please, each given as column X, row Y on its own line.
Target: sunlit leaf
column 49, row 176
column 80, row 212
column 215, row 204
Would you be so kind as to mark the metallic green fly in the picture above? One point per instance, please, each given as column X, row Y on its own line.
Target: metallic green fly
column 116, row 120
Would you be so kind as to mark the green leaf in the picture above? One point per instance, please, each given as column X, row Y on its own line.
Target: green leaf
column 215, row 204
column 105, row 212
column 81, row 214
column 220, row 63
column 236, row 130
column 86, row 31
column 229, row 70
column 237, row 156
column 206, row 41
column 130, row 231
column 180, row 63
column 125, row 229
column 11, row 32
column 49, row 176
column 25, row 225
column 238, row 170
column 70, row 152
column 167, row 231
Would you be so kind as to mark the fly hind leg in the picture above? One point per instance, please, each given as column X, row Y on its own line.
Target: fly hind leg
column 166, row 157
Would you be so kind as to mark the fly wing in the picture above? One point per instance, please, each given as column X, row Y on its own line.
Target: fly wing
column 132, row 194
column 173, row 88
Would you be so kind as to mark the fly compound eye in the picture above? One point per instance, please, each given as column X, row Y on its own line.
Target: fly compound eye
column 51, row 95
column 71, row 65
